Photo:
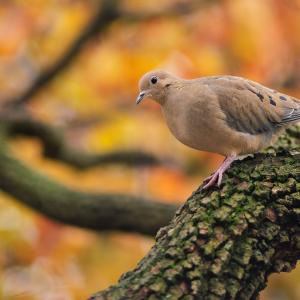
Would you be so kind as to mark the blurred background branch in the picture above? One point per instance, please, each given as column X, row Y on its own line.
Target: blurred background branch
column 107, row 12
column 172, row 11
column 57, row 148
column 104, row 16
column 87, row 210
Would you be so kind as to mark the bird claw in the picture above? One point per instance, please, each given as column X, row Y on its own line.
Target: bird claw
column 208, row 178
column 214, row 179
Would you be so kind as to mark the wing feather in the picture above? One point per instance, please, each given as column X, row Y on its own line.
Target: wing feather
column 253, row 108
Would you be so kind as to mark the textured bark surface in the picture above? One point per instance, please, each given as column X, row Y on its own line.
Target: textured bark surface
column 224, row 243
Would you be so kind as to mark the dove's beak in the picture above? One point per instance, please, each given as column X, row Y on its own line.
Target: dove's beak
column 140, row 97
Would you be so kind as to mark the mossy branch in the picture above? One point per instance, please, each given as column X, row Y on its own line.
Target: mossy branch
column 98, row 211
column 225, row 242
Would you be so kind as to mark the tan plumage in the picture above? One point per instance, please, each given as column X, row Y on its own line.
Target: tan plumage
column 228, row 115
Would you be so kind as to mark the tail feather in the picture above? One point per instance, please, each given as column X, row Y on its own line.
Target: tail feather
column 291, row 117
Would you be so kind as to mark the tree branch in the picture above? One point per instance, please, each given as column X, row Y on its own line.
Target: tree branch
column 104, row 16
column 56, row 147
column 225, row 242
column 88, row 210
column 106, row 13
column 175, row 10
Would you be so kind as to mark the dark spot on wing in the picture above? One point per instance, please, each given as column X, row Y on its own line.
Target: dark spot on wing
column 272, row 102
column 258, row 94
column 282, row 98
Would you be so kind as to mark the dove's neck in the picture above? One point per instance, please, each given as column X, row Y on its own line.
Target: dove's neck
column 172, row 92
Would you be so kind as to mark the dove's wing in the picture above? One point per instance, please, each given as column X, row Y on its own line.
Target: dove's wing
column 250, row 107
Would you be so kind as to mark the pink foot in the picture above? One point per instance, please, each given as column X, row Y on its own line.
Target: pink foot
column 218, row 175
column 211, row 180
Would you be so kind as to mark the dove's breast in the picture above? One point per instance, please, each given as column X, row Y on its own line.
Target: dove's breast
column 190, row 123
column 175, row 120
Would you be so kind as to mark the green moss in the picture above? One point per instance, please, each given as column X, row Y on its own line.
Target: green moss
column 222, row 213
column 232, row 287
column 174, row 293
column 269, row 231
column 236, row 271
column 158, row 285
column 217, row 287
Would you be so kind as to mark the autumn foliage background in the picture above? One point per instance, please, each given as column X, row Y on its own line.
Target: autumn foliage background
column 93, row 100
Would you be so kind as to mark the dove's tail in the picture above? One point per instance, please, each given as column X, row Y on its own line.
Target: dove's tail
column 292, row 115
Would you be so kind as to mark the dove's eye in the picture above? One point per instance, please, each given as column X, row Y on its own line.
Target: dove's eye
column 153, row 79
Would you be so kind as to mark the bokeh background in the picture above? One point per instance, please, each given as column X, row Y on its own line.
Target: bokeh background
column 93, row 100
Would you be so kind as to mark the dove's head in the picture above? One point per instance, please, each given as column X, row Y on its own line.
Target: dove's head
column 154, row 85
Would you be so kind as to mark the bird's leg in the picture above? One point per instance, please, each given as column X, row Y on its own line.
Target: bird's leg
column 218, row 175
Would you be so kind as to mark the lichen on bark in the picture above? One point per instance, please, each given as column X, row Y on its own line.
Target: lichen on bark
column 225, row 242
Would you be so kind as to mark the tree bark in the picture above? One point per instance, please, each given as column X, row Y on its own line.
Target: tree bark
column 225, row 242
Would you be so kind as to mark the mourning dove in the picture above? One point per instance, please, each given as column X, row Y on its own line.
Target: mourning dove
column 229, row 115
